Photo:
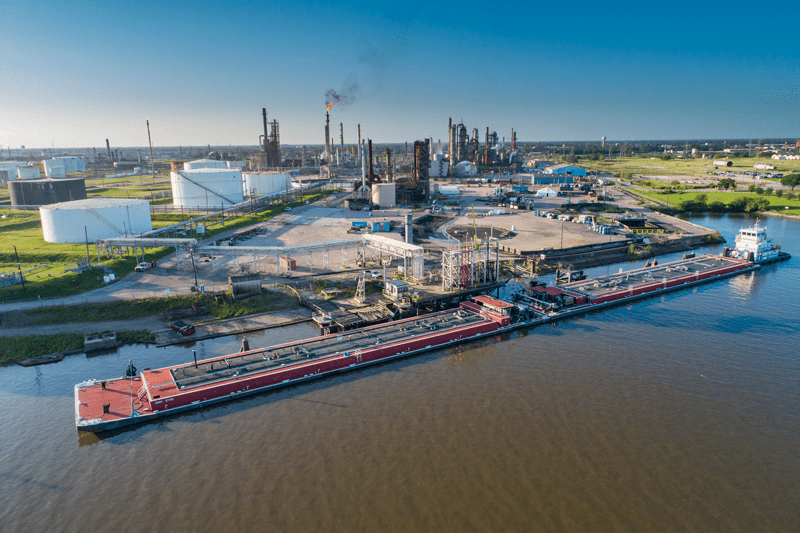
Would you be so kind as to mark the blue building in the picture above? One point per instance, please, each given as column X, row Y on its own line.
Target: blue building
column 555, row 179
column 565, row 170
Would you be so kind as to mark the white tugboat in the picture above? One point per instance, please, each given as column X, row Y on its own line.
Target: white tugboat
column 752, row 245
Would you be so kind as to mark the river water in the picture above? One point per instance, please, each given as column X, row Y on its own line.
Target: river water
column 676, row 413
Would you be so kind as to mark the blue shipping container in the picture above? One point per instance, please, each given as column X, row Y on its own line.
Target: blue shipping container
column 360, row 224
column 380, row 226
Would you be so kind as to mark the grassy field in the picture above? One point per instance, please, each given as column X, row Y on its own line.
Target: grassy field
column 780, row 205
column 23, row 229
column 653, row 166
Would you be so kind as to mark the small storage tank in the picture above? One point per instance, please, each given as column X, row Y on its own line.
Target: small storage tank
column 723, row 163
column 206, row 187
column 28, row 173
column 204, row 163
column 267, row 183
column 384, row 195
column 236, row 164
column 46, row 191
column 72, row 163
column 764, row 166
column 54, row 168
column 102, row 217
column 8, row 170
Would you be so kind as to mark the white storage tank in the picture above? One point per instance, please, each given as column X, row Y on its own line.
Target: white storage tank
column 8, row 170
column 236, row 164
column 53, row 168
column 384, row 195
column 101, row 217
column 267, row 183
column 72, row 163
column 204, row 163
column 723, row 163
column 28, row 173
column 764, row 166
column 206, row 187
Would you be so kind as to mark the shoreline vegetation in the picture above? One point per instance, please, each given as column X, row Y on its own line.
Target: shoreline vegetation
column 220, row 306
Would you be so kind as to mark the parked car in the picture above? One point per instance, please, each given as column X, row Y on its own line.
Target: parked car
column 288, row 209
column 182, row 327
column 375, row 274
column 141, row 267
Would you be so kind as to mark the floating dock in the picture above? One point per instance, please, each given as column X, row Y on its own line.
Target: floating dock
column 107, row 404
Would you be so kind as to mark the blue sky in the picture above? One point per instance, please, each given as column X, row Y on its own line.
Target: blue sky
column 75, row 73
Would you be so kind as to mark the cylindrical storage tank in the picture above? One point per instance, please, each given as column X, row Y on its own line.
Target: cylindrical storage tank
column 206, row 187
column 72, row 163
column 764, row 166
column 722, row 163
column 28, row 173
column 46, row 191
column 204, row 163
column 384, row 195
column 267, row 183
column 54, row 168
column 236, row 164
column 102, row 217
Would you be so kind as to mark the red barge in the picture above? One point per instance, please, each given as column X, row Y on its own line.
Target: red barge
column 102, row 405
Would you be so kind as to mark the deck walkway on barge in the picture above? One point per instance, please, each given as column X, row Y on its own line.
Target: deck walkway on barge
column 261, row 360
column 648, row 279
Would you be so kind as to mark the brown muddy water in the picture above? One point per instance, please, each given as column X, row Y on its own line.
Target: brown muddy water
column 677, row 413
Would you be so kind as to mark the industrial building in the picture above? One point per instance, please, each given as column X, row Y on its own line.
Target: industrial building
column 94, row 219
column 565, row 170
column 46, row 191
column 548, row 179
column 207, row 187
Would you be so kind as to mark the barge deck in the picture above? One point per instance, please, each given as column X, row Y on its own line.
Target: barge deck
column 109, row 404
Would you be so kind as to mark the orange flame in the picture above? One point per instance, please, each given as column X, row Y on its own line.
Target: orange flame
column 330, row 106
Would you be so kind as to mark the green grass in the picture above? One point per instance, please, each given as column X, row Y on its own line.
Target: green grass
column 23, row 230
column 653, row 166
column 14, row 349
column 775, row 203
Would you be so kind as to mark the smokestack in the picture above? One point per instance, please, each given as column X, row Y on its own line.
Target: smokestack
column 359, row 142
column 486, row 148
column 371, row 174
column 450, row 141
column 389, row 173
column 264, row 146
column 108, row 147
column 341, row 135
column 409, row 230
column 363, row 166
column 513, row 140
